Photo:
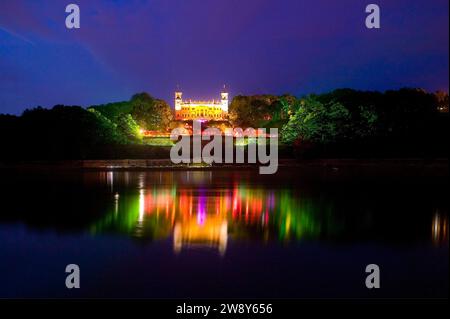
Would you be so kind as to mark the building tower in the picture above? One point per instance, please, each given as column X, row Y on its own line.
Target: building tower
column 224, row 101
column 178, row 100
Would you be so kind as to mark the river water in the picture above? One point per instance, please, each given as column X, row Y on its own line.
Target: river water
column 222, row 233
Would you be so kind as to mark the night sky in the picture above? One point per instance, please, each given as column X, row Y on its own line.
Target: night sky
column 254, row 46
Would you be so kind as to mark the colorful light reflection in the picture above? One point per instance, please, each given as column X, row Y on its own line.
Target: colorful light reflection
column 206, row 217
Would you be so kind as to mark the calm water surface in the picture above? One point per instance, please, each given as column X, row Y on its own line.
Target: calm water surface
column 222, row 234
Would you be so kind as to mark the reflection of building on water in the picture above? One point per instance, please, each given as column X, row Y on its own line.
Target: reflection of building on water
column 205, row 217
column 201, row 222
column 212, row 233
column 439, row 228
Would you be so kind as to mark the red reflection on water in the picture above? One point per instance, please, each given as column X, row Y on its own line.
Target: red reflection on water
column 253, row 207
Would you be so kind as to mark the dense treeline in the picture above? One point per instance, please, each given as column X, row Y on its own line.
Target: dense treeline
column 142, row 111
column 345, row 122
column 73, row 132
column 60, row 133
column 342, row 123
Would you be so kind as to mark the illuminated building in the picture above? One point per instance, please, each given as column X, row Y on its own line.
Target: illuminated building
column 201, row 110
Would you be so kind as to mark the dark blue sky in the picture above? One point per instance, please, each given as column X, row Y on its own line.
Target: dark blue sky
column 254, row 46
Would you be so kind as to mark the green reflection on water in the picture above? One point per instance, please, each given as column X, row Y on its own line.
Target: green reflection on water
column 208, row 217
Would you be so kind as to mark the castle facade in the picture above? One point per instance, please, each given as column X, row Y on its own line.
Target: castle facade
column 213, row 110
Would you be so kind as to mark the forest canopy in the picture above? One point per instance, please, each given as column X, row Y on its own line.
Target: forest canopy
column 344, row 122
column 73, row 132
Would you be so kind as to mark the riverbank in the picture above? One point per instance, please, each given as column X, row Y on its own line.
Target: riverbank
column 409, row 167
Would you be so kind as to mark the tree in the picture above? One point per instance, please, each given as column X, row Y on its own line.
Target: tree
column 112, row 111
column 150, row 113
column 442, row 101
column 316, row 122
column 147, row 112
column 128, row 126
column 63, row 132
column 101, row 132
column 364, row 122
column 259, row 110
